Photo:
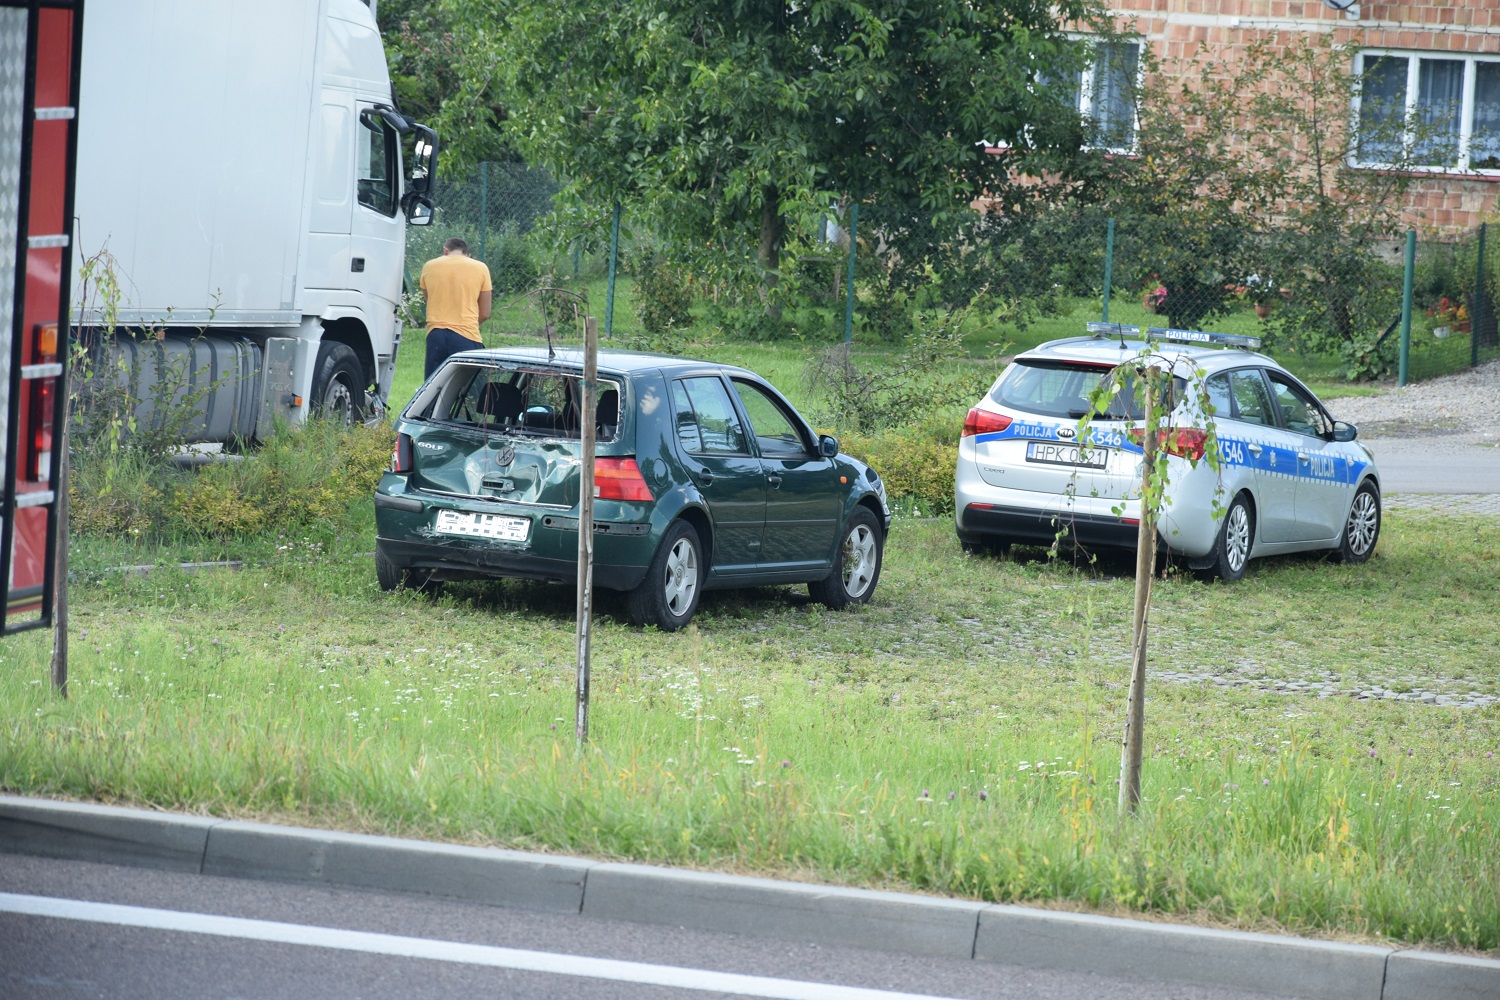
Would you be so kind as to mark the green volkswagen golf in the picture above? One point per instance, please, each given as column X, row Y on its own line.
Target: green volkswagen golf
column 705, row 478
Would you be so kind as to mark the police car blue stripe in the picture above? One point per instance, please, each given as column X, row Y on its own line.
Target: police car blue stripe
column 1234, row 451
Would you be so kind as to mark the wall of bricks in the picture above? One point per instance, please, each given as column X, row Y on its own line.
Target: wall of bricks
column 1186, row 35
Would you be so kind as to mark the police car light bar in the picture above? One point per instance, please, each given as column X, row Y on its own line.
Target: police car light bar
column 1174, row 336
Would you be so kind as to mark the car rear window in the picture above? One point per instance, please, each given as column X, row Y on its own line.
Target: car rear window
column 523, row 401
column 1062, row 388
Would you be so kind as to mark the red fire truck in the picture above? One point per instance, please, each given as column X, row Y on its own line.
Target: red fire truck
column 39, row 45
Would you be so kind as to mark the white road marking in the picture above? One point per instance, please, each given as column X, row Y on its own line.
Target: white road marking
column 440, row 951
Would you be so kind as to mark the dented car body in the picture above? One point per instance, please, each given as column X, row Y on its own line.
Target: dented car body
column 705, row 478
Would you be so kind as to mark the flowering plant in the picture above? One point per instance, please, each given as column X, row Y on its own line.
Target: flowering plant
column 1256, row 289
column 1155, row 295
column 1446, row 312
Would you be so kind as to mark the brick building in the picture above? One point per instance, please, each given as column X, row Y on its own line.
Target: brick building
column 1439, row 59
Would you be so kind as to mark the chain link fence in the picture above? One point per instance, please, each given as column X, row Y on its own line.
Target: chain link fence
column 1328, row 305
column 1454, row 288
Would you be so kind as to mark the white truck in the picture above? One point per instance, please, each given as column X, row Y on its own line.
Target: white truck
column 240, row 166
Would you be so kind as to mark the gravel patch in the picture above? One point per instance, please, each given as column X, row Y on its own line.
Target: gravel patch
column 1454, row 404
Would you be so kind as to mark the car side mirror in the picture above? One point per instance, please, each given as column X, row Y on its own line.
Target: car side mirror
column 828, row 446
column 1344, row 431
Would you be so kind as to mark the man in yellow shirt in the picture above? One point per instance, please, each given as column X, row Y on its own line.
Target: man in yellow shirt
column 457, row 290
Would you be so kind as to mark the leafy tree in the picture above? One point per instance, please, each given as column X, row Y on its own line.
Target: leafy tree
column 1243, row 169
column 1324, row 230
column 722, row 119
column 423, row 45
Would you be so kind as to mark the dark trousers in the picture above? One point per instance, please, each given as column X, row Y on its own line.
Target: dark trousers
column 442, row 343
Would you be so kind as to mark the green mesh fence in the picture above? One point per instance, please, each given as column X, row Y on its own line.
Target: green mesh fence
column 1454, row 288
column 1328, row 306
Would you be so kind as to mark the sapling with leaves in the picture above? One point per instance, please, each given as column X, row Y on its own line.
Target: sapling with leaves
column 1176, row 422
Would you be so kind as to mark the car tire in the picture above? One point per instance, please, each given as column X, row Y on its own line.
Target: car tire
column 1362, row 529
column 1232, row 548
column 856, row 563
column 339, row 381
column 668, row 596
column 393, row 577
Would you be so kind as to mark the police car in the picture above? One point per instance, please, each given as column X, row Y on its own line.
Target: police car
column 1290, row 478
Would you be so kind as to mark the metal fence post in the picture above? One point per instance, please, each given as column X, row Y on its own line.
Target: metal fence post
column 1478, row 311
column 484, row 204
column 849, row 290
column 1406, row 282
column 1109, row 265
column 614, row 256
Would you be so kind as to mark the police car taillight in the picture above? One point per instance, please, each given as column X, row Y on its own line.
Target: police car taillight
column 401, row 454
column 620, row 479
column 1184, row 442
column 984, row 422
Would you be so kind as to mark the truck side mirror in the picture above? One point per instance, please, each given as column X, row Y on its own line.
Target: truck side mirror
column 418, row 210
column 423, row 161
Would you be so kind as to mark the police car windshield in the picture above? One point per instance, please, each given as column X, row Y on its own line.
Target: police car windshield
column 1061, row 389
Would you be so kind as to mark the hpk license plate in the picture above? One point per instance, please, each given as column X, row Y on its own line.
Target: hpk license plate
column 1066, row 454
column 506, row 529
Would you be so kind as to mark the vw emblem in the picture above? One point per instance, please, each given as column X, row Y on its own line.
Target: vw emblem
column 505, row 456
column 1066, row 433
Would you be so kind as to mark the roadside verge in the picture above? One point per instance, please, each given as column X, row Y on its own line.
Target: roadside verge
column 794, row 911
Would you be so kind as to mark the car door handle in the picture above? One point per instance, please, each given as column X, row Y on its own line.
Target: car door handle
column 705, row 478
column 1303, row 457
column 775, row 480
column 1254, row 449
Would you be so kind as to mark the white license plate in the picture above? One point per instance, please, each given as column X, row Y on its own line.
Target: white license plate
column 1048, row 453
column 506, row 529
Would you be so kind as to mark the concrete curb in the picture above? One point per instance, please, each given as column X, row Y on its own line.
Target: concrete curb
column 897, row 922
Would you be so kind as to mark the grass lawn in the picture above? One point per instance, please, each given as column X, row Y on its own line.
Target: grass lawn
column 958, row 736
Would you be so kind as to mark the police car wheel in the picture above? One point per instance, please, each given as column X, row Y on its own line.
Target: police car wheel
column 1232, row 548
column 1362, row 529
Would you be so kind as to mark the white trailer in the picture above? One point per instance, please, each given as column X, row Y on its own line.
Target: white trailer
column 240, row 165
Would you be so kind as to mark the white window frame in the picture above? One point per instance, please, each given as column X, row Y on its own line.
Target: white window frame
column 1413, row 58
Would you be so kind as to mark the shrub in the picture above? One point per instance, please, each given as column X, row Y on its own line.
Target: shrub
column 929, row 374
column 511, row 259
column 663, row 297
column 301, row 477
column 916, row 462
column 115, row 497
column 214, row 505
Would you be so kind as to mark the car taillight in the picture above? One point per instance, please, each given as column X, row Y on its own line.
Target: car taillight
column 1184, row 442
column 401, row 454
column 984, row 422
column 619, row 479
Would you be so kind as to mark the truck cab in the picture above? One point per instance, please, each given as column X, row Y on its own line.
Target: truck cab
column 241, row 173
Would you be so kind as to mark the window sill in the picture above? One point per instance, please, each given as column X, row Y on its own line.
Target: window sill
column 1488, row 175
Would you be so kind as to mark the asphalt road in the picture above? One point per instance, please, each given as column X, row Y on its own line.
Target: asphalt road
column 1437, row 463
column 368, row 945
